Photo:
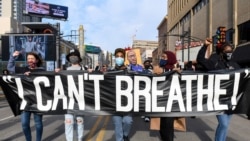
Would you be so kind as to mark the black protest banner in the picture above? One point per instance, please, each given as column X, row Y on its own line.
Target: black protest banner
column 169, row 94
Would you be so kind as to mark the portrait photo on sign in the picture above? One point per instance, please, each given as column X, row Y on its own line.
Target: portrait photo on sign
column 43, row 45
column 134, row 53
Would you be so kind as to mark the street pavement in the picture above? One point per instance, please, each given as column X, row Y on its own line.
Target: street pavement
column 100, row 128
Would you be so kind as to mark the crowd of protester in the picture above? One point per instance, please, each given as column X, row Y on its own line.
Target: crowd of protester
column 219, row 60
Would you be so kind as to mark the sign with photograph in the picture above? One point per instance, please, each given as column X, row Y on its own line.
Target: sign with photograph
column 45, row 9
column 43, row 45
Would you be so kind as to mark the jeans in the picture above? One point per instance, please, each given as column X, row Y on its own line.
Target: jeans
column 122, row 126
column 223, row 123
column 69, row 127
column 25, row 119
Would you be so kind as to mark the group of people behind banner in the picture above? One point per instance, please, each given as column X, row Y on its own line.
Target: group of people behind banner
column 123, row 123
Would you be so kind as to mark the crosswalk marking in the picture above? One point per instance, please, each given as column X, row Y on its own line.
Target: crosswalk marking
column 93, row 129
column 102, row 131
column 6, row 118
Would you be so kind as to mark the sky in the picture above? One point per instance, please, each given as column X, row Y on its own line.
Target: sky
column 112, row 24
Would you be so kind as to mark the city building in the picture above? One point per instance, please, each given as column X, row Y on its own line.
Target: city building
column 21, row 19
column 162, row 40
column 195, row 20
column 12, row 15
column 107, row 59
column 146, row 48
column 11, row 18
column 94, row 56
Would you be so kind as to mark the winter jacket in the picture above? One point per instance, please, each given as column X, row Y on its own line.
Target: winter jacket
column 215, row 62
column 12, row 68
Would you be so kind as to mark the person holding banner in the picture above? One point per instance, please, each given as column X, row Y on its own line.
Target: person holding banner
column 167, row 63
column 148, row 69
column 221, row 60
column 74, row 58
column 122, row 123
column 34, row 64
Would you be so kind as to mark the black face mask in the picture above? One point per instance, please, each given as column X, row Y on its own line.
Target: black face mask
column 163, row 62
column 73, row 59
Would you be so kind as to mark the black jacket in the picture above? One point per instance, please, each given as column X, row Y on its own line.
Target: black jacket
column 215, row 61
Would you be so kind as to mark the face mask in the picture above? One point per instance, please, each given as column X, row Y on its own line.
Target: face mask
column 163, row 63
column 32, row 64
column 119, row 61
column 73, row 59
column 227, row 56
column 147, row 66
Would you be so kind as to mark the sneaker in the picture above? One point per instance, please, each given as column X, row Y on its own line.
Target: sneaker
column 146, row 119
column 248, row 117
column 125, row 138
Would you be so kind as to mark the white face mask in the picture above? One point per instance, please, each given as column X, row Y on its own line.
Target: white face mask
column 119, row 61
column 73, row 59
column 227, row 56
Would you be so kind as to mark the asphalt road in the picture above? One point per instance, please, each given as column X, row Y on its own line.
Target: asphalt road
column 100, row 128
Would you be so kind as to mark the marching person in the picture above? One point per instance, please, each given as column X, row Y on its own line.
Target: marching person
column 34, row 64
column 104, row 68
column 221, row 60
column 148, row 69
column 101, row 69
column 167, row 63
column 122, row 123
column 72, row 119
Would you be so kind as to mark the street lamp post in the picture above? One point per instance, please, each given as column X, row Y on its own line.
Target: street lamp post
column 58, row 45
column 93, row 60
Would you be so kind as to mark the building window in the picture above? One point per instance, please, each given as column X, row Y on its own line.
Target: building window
column 199, row 6
column 244, row 32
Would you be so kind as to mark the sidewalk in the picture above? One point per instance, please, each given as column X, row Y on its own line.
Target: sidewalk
column 2, row 96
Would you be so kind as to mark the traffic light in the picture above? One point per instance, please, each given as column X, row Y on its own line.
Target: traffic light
column 221, row 36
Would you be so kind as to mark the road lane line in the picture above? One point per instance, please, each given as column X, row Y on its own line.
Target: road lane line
column 92, row 131
column 102, row 131
column 6, row 118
